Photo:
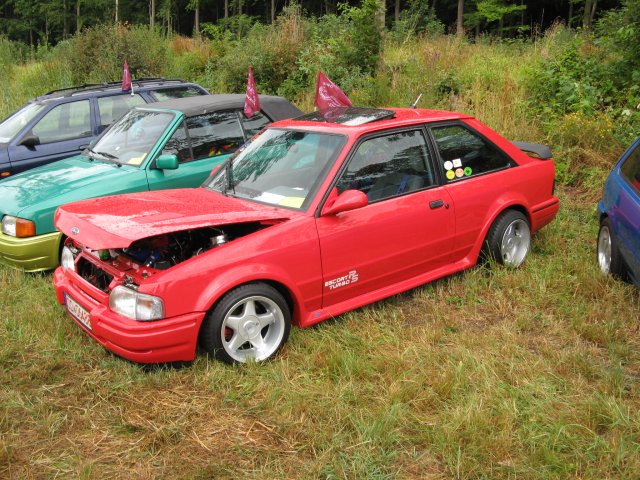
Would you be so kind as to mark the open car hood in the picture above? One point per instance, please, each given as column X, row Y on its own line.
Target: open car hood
column 120, row 220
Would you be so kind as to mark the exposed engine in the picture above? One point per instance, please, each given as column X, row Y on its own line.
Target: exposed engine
column 165, row 251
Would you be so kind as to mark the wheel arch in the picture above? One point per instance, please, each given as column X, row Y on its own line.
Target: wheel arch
column 482, row 238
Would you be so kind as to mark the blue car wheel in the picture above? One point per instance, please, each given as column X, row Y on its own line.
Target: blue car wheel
column 609, row 258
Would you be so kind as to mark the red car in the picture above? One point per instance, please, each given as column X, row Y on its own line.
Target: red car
column 316, row 216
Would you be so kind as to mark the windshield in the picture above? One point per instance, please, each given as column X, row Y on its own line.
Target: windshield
column 16, row 122
column 131, row 138
column 279, row 167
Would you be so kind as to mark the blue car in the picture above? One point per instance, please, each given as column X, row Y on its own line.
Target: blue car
column 619, row 236
column 62, row 123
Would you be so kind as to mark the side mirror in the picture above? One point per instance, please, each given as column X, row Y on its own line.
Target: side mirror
column 30, row 140
column 347, row 200
column 167, row 161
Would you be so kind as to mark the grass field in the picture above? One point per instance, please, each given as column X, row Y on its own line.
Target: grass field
column 493, row 373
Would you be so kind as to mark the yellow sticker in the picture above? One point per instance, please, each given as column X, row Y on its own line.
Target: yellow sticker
column 450, row 174
column 295, row 202
column 136, row 160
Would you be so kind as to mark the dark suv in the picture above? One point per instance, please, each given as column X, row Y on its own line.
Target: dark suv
column 63, row 122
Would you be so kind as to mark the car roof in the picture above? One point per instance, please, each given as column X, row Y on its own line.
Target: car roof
column 274, row 107
column 111, row 87
column 379, row 119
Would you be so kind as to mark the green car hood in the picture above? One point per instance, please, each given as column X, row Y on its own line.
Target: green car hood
column 36, row 193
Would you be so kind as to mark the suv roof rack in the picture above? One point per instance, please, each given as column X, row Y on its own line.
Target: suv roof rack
column 92, row 86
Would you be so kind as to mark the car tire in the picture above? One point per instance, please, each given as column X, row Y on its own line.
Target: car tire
column 608, row 255
column 249, row 323
column 509, row 239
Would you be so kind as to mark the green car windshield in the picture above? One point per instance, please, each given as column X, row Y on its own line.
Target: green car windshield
column 16, row 122
column 279, row 167
column 130, row 139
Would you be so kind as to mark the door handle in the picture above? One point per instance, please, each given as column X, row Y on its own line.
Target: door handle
column 436, row 204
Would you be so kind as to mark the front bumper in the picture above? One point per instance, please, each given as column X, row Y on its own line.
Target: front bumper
column 32, row 254
column 169, row 340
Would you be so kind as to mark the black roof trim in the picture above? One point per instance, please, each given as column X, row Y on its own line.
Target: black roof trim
column 348, row 115
column 139, row 82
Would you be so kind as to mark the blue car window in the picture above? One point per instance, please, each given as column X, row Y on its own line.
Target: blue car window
column 64, row 122
column 630, row 169
column 16, row 122
column 114, row 107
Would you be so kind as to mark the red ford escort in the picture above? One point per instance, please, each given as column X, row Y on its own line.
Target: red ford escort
column 316, row 216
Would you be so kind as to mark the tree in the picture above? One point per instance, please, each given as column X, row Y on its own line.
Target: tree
column 460, row 18
column 589, row 13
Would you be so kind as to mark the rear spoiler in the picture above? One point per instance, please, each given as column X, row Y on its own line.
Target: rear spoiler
column 535, row 150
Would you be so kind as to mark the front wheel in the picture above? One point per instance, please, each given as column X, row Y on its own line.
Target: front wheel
column 609, row 259
column 250, row 323
column 509, row 239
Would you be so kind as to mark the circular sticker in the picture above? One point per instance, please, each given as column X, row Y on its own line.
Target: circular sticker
column 448, row 165
column 468, row 171
column 459, row 172
column 450, row 174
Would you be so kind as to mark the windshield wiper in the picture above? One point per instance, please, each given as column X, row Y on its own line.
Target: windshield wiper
column 104, row 156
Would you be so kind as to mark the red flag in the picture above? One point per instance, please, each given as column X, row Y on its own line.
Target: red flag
column 251, row 101
column 328, row 94
column 126, row 78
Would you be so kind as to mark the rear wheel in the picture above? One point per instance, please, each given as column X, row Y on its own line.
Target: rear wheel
column 250, row 323
column 509, row 239
column 609, row 259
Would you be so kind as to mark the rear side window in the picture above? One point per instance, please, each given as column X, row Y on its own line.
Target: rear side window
column 65, row 122
column 630, row 169
column 213, row 134
column 465, row 153
column 176, row 92
column 114, row 107
column 254, row 124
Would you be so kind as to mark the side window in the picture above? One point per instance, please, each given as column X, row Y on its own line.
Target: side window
column 465, row 153
column 177, row 92
column 65, row 122
column 179, row 145
column 254, row 124
column 114, row 107
column 214, row 134
column 630, row 169
column 389, row 166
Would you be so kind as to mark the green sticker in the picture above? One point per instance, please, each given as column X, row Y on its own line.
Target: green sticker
column 467, row 171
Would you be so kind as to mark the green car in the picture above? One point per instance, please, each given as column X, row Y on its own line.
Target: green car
column 171, row 144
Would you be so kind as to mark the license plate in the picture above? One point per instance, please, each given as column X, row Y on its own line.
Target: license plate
column 77, row 311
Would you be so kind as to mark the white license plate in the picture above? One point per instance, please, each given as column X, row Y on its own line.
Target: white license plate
column 77, row 311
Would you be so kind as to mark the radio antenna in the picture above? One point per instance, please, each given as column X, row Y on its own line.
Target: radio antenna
column 415, row 104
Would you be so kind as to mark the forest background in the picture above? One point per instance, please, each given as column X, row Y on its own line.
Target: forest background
column 531, row 373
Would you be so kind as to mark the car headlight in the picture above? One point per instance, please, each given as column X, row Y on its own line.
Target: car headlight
column 67, row 260
column 18, row 227
column 138, row 306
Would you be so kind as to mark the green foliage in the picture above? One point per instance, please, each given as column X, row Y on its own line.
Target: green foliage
column 415, row 20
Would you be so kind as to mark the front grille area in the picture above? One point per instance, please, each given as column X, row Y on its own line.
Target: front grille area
column 93, row 274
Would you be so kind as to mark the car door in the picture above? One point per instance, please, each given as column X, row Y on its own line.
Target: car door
column 406, row 229
column 203, row 142
column 626, row 212
column 62, row 132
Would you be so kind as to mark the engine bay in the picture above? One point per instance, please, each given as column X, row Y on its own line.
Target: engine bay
column 165, row 251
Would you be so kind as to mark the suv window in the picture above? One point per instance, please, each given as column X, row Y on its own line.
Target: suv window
column 465, row 153
column 214, row 134
column 630, row 169
column 388, row 166
column 254, row 124
column 176, row 92
column 113, row 107
column 64, row 122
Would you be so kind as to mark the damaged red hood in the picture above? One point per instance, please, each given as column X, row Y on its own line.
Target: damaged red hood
column 120, row 220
